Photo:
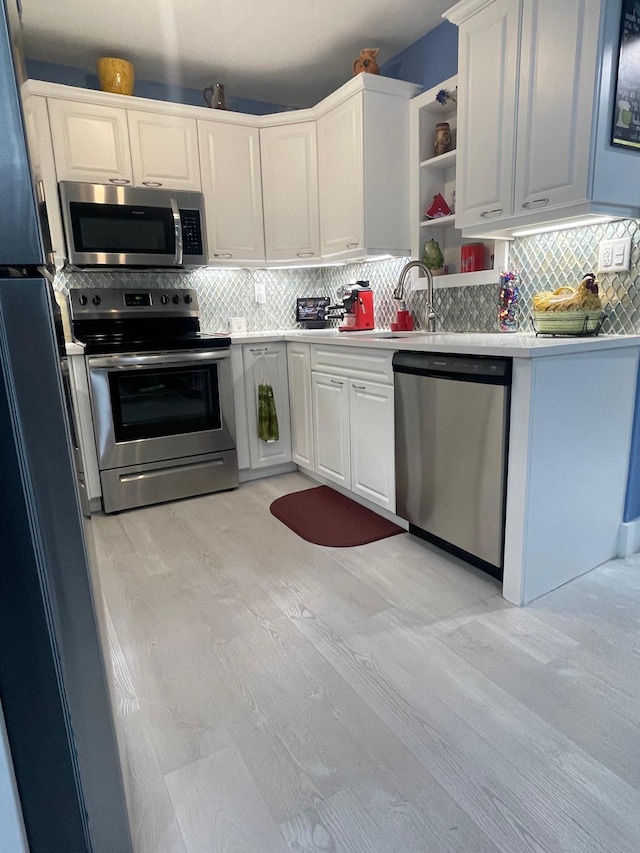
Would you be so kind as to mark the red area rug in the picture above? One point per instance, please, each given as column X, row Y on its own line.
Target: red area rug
column 325, row 517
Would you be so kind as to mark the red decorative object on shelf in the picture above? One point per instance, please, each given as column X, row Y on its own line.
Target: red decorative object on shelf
column 439, row 207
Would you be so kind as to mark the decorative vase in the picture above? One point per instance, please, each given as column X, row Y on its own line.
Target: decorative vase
column 508, row 297
column 366, row 62
column 442, row 142
column 214, row 97
column 115, row 75
column 432, row 257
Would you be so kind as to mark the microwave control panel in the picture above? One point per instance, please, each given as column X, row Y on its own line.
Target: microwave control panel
column 191, row 232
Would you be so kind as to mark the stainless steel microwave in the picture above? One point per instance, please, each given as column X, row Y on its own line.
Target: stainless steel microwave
column 116, row 226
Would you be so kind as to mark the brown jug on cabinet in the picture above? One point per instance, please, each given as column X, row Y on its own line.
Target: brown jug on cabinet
column 442, row 142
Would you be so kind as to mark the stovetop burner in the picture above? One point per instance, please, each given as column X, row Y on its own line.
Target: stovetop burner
column 114, row 320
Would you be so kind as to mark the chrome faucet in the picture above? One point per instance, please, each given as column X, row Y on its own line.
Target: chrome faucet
column 398, row 293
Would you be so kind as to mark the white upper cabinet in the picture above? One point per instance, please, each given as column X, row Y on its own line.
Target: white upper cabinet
column 290, row 191
column 42, row 162
column 332, row 181
column 363, row 169
column 554, row 123
column 90, row 142
column 487, row 54
column 164, row 150
column 231, row 184
column 340, row 153
column 535, row 115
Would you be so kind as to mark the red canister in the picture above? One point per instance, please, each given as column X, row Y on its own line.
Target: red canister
column 472, row 257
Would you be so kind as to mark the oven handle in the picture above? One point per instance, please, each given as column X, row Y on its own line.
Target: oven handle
column 177, row 225
column 128, row 362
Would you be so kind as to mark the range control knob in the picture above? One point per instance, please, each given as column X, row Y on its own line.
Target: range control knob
column 164, row 299
column 96, row 299
column 82, row 299
column 176, row 299
column 188, row 299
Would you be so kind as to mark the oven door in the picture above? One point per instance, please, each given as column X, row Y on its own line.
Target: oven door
column 157, row 407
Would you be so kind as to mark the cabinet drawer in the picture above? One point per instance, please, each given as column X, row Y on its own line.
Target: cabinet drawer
column 370, row 364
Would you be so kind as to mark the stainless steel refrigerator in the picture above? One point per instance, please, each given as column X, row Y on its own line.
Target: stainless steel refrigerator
column 61, row 782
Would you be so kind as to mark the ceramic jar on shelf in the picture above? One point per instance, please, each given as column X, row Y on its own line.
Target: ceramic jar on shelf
column 442, row 141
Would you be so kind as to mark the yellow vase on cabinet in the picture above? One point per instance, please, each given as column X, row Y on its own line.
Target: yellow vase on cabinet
column 115, row 75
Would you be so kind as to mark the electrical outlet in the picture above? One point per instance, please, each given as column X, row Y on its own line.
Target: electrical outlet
column 615, row 255
column 260, row 292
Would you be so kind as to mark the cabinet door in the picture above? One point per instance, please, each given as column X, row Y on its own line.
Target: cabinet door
column 36, row 120
column 555, row 110
column 90, row 142
column 341, row 178
column 331, row 427
column 300, row 401
column 164, row 151
column 290, row 191
column 267, row 363
column 372, row 442
column 488, row 53
column 230, row 164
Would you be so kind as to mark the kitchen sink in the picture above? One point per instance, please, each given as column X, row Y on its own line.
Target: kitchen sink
column 393, row 335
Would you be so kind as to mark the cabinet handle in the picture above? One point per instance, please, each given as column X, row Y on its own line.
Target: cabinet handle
column 495, row 212
column 222, row 255
column 352, row 245
column 336, row 382
column 359, row 387
column 305, row 254
column 259, row 349
column 151, row 184
column 533, row 201
column 119, row 181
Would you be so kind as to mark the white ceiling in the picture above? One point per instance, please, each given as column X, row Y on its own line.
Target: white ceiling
column 292, row 52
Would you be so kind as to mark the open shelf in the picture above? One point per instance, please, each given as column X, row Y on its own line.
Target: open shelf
column 441, row 162
column 439, row 222
column 432, row 175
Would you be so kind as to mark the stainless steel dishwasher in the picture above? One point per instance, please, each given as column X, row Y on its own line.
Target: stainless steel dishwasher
column 452, row 432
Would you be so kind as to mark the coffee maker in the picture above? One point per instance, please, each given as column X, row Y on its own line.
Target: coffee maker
column 356, row 308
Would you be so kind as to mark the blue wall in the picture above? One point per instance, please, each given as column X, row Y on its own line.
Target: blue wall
column 71, row 76
column 428, row 61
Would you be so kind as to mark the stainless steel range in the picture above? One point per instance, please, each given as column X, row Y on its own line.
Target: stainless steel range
column 161, row 395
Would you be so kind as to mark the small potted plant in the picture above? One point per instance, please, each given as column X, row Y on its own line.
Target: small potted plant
column 432, row 257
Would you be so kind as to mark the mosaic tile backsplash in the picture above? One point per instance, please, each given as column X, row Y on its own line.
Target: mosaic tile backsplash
column 545, row 262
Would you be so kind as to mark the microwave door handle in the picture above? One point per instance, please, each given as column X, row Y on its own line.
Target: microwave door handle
column 177, row 226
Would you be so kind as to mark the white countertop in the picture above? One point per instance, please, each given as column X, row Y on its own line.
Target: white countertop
column 515, row 345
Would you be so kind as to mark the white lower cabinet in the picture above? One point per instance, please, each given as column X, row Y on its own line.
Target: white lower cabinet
column 371, row 420
column 353, row 434
column 331, row 428
column 267, row 363
column 300, row 401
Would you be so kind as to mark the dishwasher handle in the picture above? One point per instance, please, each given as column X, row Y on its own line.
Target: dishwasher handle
column 463, row 368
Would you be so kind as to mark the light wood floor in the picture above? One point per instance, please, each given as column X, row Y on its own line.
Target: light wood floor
column 273, row 696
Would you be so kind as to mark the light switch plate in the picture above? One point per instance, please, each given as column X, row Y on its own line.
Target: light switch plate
column 615, row 255
column 260, row 292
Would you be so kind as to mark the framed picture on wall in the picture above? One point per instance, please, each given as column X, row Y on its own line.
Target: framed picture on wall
column 626, row 113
